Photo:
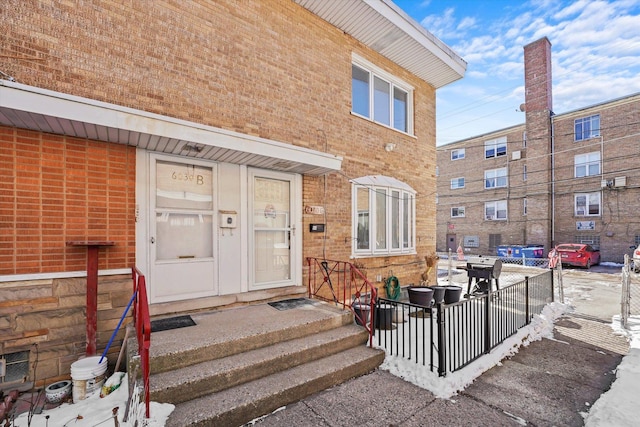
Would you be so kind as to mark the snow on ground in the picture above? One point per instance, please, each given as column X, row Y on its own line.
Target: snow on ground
column 96, row 411
column 444, row 387
column 617, row 407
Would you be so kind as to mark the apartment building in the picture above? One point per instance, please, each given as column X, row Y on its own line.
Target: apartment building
column 571, row 177
column 214, row 145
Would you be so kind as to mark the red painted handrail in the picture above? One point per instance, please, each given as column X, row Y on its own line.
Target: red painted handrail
column 142, row 321
column 344, row 284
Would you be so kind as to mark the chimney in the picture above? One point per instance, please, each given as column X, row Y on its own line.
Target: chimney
column 538, row 124
column 537, row 76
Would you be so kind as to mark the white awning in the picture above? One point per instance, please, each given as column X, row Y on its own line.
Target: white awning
column 29, row 107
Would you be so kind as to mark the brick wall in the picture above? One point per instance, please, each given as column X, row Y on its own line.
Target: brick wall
column 619, row 145
column 473, row 196
column 261, row 67
column 57, row 189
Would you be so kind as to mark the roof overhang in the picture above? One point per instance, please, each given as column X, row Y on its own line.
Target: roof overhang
column 388, row 30
column 29, row 107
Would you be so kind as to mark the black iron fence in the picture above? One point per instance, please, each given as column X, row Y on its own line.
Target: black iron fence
column 447, row 337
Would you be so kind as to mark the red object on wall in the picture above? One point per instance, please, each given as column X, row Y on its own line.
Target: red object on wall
column 92, row 289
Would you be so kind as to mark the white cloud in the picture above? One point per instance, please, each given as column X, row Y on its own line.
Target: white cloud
column 465, row 23
column 595, row 51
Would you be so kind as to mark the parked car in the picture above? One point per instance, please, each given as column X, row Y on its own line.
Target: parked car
column 636, row 259
column 579, row 255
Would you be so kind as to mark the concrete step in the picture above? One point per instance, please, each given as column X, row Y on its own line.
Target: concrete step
column 240, row 404
column 212, row 376
column 227, row 332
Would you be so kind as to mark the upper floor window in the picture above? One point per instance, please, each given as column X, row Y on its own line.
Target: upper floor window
column 495, row 211
column 495, row 178
column 457, row 212
column 587, row 164
column 381, row 97
column 587, row 127
column 524, row 172
column 384, row 216
column 524, row 139
column 524, row 206
column 587, row 204
column 457, row 183
column 495, row 148
column 457, row 154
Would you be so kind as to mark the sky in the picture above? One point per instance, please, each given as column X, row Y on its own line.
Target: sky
column 595, row 49
column 615, row 408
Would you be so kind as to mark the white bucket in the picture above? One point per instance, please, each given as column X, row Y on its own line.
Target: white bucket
column 87, row 375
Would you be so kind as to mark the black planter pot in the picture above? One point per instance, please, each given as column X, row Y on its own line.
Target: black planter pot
column 362, row 313
column 452, row 294
column 438, row 293
column 384, row 316
column 420, row 295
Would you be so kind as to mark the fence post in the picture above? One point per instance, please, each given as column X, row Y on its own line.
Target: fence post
column 442, row 371
column 526, row 298
column 487, row 322
column 553, row 298
column 560, row 284
column 449, row 268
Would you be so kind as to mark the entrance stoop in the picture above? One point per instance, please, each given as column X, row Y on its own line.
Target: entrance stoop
column 238, row 364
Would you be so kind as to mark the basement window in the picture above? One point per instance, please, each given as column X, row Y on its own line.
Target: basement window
column 15, row 368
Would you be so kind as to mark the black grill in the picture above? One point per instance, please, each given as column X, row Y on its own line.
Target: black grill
column 482, row 273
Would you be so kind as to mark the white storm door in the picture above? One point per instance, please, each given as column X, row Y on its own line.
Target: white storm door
column 272, row 246
column 182, row 229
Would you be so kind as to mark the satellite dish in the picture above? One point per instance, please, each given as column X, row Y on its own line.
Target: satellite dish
column 523, row 107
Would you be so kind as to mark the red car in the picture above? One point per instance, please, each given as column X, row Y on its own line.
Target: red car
column 579, row 255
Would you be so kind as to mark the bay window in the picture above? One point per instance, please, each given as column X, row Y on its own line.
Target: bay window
column 384, row 216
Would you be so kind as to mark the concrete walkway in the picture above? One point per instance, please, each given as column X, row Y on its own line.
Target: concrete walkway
column 549, row 383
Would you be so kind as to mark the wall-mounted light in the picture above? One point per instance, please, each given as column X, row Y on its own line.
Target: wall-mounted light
column 390, row 146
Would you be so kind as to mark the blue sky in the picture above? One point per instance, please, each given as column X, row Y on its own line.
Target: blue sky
column 595, row 56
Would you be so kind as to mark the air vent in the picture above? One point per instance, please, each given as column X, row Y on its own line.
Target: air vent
column 516, row 155
column 620, row 181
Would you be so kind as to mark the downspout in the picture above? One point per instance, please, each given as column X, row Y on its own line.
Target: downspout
column 553, row 183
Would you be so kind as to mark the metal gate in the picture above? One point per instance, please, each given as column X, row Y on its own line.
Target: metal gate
column 630, row 301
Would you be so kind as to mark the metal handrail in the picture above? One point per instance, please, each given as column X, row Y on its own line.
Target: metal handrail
column 142, row 321
column 344, row 284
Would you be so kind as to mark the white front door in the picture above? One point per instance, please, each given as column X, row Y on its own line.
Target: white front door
column 273, row 255
column 182, row 229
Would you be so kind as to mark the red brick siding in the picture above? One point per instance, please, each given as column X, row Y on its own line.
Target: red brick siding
column 58, row 189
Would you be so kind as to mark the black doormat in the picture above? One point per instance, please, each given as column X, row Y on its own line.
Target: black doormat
column 171, row 323
column 290, row 303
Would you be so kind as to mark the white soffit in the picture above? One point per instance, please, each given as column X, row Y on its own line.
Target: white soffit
column 29, row 107
column 388, row 30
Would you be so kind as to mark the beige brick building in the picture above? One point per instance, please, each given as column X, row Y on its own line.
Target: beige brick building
column 209, row 143
column 571, row 177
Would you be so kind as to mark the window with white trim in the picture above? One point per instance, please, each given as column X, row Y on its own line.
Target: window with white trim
column 495, row 211
column 457, row 212
column 524, row 172
column 524, row 206
column 524, row 139
column 381, row 97
column 587, row 127
column 587, row 204
column 384, row 220
column 457, row 154
column 457, row 183
column 495, row 148
column 495, row 178
column 587, row 164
